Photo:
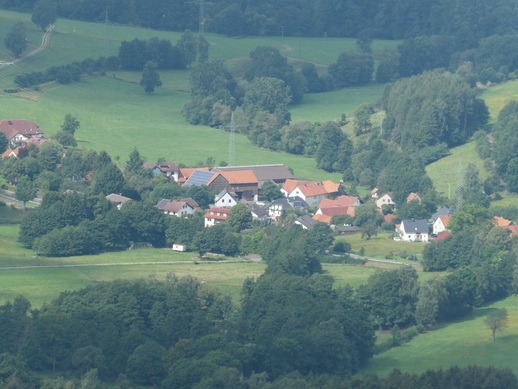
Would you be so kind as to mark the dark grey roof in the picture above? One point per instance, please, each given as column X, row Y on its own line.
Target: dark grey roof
column 291, row 202
column 198, row 178
column 441, row 212
column 257, row 210
column 262, row 172
column 306, row 221
column 415, row 226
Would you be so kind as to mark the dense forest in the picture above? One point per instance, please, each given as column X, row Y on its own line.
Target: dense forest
column 466, row 21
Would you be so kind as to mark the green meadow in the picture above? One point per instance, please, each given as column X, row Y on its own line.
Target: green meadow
column 116, row 115
column 464, row 342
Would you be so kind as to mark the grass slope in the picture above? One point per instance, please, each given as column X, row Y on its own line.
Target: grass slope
column 462, row 343
column 448, row 172
column 496, row 97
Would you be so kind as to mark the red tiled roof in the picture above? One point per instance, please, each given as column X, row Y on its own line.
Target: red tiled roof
column 217, row 213
column 388, row 218
column 501, row 222
column 340, row 210
column 11, row 153
column 413, row 196
column 445, row 219
column 290, row 185
column 191, row 202
column 513, row 229
column 11, row 127
column 237, row 177
column 444, row 235
column 322, row 218
column 330, row 186
column 346, row 201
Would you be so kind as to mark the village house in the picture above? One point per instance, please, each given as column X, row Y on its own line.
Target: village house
column 413, row 231
column 310, row 191
column 277, row 207
column 386, row 199
column 225, row 199
column 305, row 221
column 413, row 196
column 180, row 208
column 243, row 183
column 325, row 215
column 440, row 224
column 277, row 173
column 169, row 169
column 19, row 131
column 117, row 199
column 258, row 212
column 215, row 216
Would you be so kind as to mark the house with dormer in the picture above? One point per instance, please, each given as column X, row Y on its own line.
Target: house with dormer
column 178, row 208
column 412, row 230
column 216, row 215
column 19, row 131
column 225, row 199
column 311, row 192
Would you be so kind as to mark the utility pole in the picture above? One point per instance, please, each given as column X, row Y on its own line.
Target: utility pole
column 105, row 46
column 232, row 142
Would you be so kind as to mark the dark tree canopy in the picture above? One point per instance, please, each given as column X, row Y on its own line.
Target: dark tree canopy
column 44, row 14
column 150, row 77
column 431, row 108
column 16, row 39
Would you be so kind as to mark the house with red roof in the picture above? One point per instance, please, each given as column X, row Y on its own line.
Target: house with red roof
column 501, row 222
column 413, row 196
column 325, row 215
column 243, row 183
column 215, row 216
column 311, row 192
column 178, row 208
column 441, row 224
column 18, row 131
column 12, row 153
column 169, row 169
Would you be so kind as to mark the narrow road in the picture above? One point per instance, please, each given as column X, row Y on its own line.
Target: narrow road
column 384, row 260
column 115, row 264
column 45, row 41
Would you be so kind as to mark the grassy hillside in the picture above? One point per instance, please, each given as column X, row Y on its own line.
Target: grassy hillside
column 496, row 97
column 116, row 115
column 462, row 343
column 447, row 173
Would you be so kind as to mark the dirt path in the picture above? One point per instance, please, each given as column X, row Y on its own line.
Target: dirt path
column 45, row 41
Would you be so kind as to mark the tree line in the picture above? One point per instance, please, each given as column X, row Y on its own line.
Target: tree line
column 465, row 21
column 133, row 55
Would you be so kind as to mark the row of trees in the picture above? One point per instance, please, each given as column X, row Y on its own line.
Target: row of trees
column 133, row 55
column 376, row 19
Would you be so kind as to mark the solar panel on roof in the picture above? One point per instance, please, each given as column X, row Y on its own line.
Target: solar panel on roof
column 199, row 177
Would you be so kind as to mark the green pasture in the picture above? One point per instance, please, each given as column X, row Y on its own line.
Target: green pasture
column 382, row 245
column 117, row 116
column 509, row 200
column 448, row 172
column 496, row 97
column 465, row 342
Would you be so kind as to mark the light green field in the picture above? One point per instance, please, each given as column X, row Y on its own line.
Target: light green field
column 496, row 97
column 382, row 245
column 465, row 342
column 447, row 172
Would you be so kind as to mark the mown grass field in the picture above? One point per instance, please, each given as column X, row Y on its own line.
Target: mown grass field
column 496, row 97
column 447, row 173
column 40, row 285
column 465, row 342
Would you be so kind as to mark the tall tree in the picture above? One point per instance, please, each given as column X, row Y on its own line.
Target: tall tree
column 352, row 68
column 135, row 162
column 24, row 190
column 70, row 124
column 497, row 320
column 16, row 39
column 44, row 14
column 150, row 77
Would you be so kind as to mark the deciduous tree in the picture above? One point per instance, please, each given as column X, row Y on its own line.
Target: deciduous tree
column 496, row 321
column 44, row 14
column 25, row 190
column 16, row 39
column 150, row 77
